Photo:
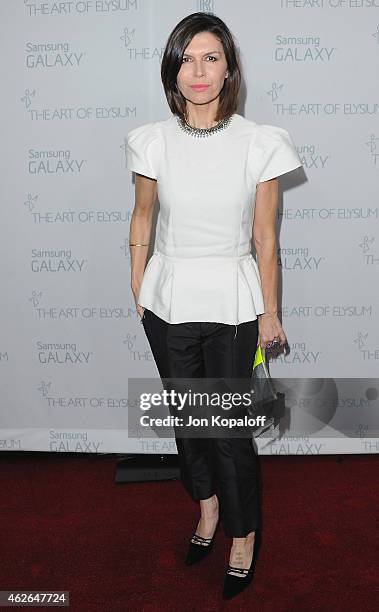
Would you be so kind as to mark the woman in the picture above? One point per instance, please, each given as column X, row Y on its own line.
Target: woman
column 204, row 301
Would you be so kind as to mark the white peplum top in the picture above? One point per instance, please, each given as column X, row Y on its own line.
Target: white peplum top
column 202, row 268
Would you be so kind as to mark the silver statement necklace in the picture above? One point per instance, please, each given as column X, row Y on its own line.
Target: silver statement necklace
column 202, row 132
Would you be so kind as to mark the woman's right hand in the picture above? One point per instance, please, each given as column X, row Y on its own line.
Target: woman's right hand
column 140, row 309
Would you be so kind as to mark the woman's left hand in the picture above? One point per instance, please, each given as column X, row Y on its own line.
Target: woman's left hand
column 270, row 329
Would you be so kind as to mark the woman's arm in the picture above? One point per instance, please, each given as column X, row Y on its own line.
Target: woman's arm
column 264, row 238
column 140, row 228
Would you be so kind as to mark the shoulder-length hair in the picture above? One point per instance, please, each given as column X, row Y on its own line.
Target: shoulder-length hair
column 177, row 42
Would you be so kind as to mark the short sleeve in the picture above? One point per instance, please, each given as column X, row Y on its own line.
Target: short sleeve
column 143, row 150
column 278, row 153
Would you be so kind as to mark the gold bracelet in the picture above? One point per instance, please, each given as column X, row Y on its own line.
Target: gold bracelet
column 139, row 244
column 270, row 312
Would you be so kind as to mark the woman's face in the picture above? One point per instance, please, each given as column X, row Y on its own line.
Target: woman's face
column 203, row 63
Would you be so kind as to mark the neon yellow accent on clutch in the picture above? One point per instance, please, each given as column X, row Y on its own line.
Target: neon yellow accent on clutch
column 258, row 357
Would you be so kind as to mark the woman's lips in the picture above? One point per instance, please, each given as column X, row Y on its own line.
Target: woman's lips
column 199, row 87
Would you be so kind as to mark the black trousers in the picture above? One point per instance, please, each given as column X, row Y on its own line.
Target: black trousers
column 225, row 466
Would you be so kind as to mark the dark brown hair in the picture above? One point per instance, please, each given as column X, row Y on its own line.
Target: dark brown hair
column 177, row 42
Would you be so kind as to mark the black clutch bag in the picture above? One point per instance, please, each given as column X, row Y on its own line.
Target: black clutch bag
column 267, row 401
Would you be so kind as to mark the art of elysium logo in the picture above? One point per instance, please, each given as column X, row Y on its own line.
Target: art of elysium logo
column 338, row 310
column 69, row 217
column 343, row 213
column 367, row 246
column 305, row 108
column 63, row 8
column 373, row 147
column 69, row 113
column 368, row 353
column 143, row 53
column 60, row 312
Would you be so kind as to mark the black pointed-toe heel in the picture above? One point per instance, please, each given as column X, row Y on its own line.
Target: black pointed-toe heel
column 233, row 585
column 199, row 548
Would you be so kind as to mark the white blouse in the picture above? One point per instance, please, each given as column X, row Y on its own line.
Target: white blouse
column 202, row 268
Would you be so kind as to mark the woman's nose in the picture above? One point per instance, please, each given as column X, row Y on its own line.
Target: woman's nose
column 199, row 69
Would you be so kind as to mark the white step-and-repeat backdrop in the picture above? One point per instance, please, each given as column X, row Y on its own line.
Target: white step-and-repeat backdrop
column 76, row 76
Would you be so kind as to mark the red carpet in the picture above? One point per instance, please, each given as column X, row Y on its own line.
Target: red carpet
column 66, row 525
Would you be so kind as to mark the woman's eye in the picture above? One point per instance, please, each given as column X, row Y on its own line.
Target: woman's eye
column 184, row 59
